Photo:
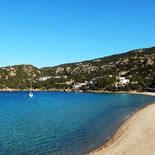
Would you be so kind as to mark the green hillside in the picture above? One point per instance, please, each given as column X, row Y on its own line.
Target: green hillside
column 138, row 66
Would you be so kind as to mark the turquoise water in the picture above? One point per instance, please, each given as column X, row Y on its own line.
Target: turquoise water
column 59, row 123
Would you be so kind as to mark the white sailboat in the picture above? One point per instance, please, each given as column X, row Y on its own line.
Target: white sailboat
column 30, row 94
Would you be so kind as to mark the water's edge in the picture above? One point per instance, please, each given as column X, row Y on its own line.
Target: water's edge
column 117, row 134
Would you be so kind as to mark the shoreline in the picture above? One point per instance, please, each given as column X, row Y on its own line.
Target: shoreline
column 80, row 91
column 124, row 142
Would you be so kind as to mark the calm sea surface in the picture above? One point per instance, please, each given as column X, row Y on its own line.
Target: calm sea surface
column 59, row 123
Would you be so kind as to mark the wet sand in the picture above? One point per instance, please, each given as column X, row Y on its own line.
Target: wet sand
column 135, row 137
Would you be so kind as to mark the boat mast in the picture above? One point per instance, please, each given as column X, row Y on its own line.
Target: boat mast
column 30, row 85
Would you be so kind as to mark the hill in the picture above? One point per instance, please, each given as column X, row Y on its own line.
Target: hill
column 18, row 76
column 138, row 66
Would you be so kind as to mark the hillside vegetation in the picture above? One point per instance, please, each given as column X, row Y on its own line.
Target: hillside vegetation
column 138, row 66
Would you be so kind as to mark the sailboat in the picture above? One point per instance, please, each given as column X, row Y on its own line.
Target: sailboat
column 31, row 94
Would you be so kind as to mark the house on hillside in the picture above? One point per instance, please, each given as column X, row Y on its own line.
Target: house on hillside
column 77, row 86
column 44, row 78
column 122, row 81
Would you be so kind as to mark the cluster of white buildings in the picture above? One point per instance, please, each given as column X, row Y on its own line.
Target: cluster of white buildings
column 92, row 82
column 121, row 82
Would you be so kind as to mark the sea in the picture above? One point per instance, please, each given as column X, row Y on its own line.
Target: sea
column 62, row 123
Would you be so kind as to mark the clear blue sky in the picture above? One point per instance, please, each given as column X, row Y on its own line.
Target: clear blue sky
column 52, row 32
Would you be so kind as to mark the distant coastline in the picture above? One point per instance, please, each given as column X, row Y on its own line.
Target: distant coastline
column 90, row 91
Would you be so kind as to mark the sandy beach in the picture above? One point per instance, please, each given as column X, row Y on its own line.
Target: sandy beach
column 135, row 137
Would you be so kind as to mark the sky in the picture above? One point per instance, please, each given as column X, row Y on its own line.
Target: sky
column 52, row 32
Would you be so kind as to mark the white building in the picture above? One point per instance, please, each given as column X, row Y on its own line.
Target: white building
column 76, row 86
column 80, row 85
column 44, row 78
column 124, row 81
column 57, row 77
